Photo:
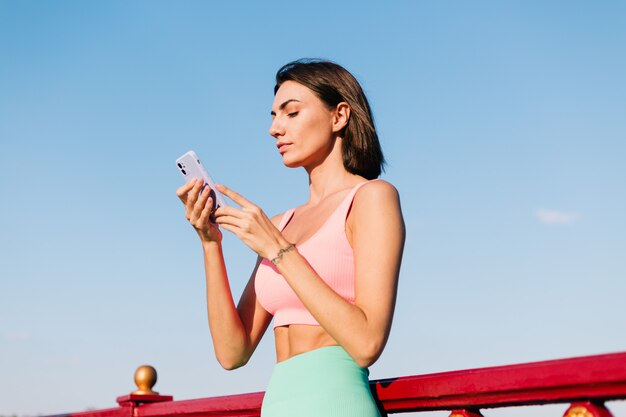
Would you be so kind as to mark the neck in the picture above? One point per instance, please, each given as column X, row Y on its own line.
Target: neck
column 329, row 176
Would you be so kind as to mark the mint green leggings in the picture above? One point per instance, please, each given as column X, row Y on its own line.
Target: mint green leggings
column 324, row 382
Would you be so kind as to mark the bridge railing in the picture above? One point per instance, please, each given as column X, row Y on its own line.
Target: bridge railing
column 584, row 384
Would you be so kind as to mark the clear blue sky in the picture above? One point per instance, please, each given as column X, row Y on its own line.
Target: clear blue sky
column 504, row 127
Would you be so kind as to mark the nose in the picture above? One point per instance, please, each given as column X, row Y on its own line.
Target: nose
column 276, row 128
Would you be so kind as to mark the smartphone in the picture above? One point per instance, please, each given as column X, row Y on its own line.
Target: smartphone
column 190, row 167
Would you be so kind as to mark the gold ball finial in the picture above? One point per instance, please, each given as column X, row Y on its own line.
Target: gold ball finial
column 578, row 411
column 145, row 379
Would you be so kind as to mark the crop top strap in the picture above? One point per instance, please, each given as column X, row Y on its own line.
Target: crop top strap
column 356, row 188
column 285, row 219
column 341, row 214
column 352, row 193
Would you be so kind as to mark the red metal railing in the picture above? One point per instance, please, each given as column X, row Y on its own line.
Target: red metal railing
column 584, row 382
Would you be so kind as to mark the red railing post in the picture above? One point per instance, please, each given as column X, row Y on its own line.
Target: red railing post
column 145, row 378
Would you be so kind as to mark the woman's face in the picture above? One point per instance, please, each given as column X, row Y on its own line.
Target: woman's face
column 302, row 125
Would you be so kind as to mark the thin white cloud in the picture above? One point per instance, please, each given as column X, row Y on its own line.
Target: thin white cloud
column 556, row 216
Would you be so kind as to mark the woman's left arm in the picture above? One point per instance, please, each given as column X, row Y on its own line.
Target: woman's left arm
column 376, row 231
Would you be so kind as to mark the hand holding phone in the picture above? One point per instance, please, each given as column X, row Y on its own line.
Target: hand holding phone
column 190, row 167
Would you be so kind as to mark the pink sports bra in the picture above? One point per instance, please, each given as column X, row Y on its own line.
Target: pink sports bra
column 328, row 252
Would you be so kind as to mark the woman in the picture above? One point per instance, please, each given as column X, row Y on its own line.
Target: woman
column 327, row 271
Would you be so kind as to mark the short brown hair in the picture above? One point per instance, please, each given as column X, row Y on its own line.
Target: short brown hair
column 333, row 84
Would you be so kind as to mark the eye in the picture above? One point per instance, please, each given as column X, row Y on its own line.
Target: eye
column 292, row 114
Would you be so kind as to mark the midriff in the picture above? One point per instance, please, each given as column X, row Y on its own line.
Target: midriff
column 295, row 339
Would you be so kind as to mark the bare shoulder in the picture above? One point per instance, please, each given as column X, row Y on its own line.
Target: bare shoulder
column 376, row 194
column 376, row 203
column 376, row 219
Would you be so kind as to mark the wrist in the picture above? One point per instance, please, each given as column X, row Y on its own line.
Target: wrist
column 277, row 258
column 209, row 245
column 209, row 238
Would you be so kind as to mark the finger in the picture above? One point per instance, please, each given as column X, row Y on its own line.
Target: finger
column 234, row 230
column 228, row 211
column 192, row 198
column 231, row 220
column 182, row 191
column 201, row 202
column 205, row 214
column 192, row 195
column 237, row 198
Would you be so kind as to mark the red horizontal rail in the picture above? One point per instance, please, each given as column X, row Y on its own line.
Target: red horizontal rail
column 589, row 378
column 242, row 405
column 599, row 377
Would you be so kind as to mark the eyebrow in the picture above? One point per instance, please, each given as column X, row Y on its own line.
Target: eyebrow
column 283, row 105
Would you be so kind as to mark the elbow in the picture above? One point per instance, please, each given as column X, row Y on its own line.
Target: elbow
column 366, row 361
column 231, row 364
column 231, row 360
column 369, row 354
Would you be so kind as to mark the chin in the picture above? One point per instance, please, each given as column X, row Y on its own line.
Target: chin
column 291, row 162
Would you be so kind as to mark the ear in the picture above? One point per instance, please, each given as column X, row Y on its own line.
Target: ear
column 341, row 116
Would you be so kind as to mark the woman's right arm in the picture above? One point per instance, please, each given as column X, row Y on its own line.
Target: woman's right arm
column 235, row 331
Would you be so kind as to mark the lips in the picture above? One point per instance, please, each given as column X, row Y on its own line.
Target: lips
column 282, row 146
